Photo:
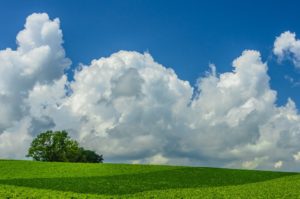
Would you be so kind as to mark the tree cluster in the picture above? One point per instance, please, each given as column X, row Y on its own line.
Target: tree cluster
column 59, row 147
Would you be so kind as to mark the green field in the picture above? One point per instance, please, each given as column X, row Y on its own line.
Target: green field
column 28, row 179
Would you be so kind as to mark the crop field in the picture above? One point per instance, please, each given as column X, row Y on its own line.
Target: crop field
column 28, row 179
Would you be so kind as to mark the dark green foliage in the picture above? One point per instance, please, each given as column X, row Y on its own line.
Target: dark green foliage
column 90, row 156
column 59, row 147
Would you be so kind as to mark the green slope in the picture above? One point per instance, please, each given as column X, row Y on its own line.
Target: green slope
column 28, row 179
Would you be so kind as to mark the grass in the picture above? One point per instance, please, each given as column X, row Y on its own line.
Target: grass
column 28, row 179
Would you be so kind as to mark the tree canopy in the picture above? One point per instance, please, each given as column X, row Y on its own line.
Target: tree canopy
column 57, row 146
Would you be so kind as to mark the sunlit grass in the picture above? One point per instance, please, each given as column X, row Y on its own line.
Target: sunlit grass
column 27, row 179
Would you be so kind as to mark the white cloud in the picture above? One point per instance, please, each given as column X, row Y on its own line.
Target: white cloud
column 297, row 156
column 132, row 109
column 253, row 164
column 286, row 46
column 278, row 164
column 15, row 140
column 39, row 59
column 156, row 159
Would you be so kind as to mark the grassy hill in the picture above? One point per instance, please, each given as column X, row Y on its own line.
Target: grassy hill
column 28, row 179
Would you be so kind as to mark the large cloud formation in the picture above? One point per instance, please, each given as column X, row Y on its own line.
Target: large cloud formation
column 132, row 109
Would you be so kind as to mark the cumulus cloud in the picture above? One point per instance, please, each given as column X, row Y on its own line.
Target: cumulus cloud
column 286, row 46
column 38, row 60
column 132, row 109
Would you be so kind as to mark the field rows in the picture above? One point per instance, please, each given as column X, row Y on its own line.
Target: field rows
column 27, row 179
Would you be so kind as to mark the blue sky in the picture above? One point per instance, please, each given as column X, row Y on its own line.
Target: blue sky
column 132, row 109
column 183, row 35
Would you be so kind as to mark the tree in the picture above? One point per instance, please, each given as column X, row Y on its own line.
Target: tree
column 90, row 156
column 59, row 147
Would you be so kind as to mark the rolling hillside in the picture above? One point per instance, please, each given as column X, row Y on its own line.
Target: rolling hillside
column 28, row 179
